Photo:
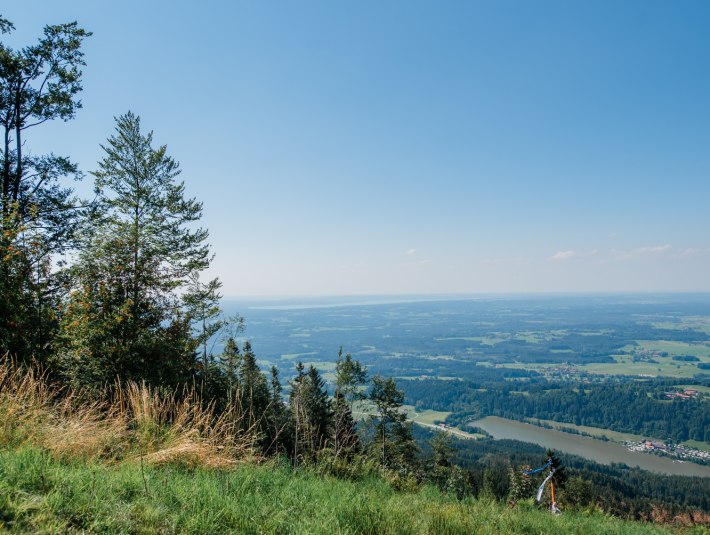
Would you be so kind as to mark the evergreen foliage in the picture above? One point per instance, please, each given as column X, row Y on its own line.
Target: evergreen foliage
column 124, row 318
column 394, row 441
column 350, row 380
column 254, row 394
column 39, row 215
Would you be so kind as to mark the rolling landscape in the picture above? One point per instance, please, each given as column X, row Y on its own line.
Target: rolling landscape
column 402, row 268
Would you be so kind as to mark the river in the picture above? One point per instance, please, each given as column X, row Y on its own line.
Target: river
column 589, row 448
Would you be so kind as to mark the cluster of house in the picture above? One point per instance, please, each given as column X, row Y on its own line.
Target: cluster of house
column 685, row 394
column 675, row 450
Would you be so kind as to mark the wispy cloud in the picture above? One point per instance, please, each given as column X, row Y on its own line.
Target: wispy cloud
column 640, row 252
column 573, row 255
column 513, row 261
column 410, row 252
column 693, row 251
column 652, row 249
column 564, row 255
column 648, row 252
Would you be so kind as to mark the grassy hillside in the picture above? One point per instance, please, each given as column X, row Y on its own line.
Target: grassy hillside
column 143, row 463
column 41, row 494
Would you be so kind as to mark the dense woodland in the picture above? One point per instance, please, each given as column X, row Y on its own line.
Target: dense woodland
column 632, row 406
column 110, row 291
column 629, row 492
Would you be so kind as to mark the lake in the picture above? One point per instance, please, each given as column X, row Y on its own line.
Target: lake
column 589, row 448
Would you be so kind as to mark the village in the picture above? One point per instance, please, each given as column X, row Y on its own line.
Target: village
column 679, row 451
column 687, row 393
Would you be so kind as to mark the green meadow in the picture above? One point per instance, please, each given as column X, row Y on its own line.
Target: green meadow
column 40, row 494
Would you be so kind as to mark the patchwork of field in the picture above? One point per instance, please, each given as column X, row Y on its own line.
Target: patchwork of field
column 469, row 337
column 625, row 365
column 696, row 323
column 488, row 342
column 644, row 358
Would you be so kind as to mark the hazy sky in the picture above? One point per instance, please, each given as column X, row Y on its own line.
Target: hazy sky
column 380, row 147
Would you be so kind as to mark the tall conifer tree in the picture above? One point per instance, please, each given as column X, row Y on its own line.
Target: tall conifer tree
column 388, row 401
column 350, row 377
column 125, row 317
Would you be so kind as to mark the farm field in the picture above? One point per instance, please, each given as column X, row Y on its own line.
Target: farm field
column 456, row 338
column 625, row 365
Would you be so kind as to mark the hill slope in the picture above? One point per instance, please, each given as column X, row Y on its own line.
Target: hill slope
column 40, row 494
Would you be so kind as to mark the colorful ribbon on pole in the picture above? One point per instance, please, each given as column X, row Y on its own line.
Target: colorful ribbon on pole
column 541, row 488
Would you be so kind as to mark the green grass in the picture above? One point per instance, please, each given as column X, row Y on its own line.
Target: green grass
column 427, row 416
column 39, row 494
column 674, row 348
column 624, row 365
column 704, row 446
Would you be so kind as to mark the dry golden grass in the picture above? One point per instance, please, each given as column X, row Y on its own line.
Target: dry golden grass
column 135, row 423
column 181, row 429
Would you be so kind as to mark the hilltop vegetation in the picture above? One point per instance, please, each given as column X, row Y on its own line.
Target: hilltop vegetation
column 68, row 466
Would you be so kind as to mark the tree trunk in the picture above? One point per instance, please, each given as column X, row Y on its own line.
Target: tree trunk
column 6, row 179
column 18, row 143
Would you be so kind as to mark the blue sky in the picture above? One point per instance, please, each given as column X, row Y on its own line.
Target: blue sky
column 415, row 147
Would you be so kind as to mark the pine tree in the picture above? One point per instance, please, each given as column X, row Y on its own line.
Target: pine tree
column 231, row 361
column 350, row 376
column 254, row 393
column 318, row 410
column 442, row 449
column 202, row 307
column 279, row 430
column 388, row 401
column 125, row 317
column 496, row 485
column 560, row 477
column 404, row 449
column 578, row 492
column 312, row 413
column 346, row 441
column 298, row 416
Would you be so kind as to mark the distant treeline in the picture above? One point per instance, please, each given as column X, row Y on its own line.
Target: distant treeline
column 634, row 406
